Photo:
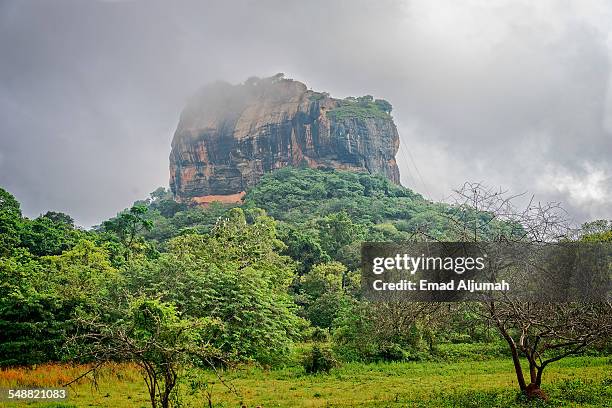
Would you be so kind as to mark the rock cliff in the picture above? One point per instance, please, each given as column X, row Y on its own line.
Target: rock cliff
column 228, row 136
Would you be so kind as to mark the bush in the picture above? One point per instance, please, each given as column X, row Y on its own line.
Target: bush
column 394, row 352
column 364, row 332
column 319, row 335
column 320, row 359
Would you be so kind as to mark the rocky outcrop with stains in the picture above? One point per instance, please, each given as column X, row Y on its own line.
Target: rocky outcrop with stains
column 228, row 136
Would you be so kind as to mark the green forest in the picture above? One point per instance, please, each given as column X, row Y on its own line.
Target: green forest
column 260, row 304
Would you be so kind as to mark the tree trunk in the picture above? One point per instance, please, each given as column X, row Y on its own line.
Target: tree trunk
column 538, row 380
column 153, row 399
column 169, row 383
column 533, row 390
column 151, row 382
column 517, row 367
column 515, row 355
column 532, row 371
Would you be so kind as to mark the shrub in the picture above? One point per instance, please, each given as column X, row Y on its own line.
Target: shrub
column 320, row 359
column 320, row 335
column 394, row 352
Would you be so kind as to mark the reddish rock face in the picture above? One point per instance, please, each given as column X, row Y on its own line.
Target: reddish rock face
column 229, row 136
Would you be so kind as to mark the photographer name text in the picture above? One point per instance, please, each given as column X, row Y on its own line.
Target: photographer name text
column 424, row 285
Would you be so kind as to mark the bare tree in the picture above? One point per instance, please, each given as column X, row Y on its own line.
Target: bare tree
column 540, row 332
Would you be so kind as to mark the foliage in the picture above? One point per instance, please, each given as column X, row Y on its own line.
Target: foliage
column 323, row 214
column 327, row 214
column 383, row 105
column 39, row 299
column 317, row 96
column 322, row 279
column 470, row 351
column 322, row 293
column 302, row 246
column 361, row 108
column 170, row 286
column 50, row 234
column 337, row 230
column 596, row 231
column 32, row 319
column 154, row 336
column 381, row 331
column 235, row 275
column 169, row 219
column 60, row 218
column 10, row 219
column 163, row 202
column 319, row 359
column 127, row 226
column 84, row 276
column 302, row 197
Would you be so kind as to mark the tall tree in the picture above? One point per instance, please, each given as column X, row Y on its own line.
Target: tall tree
column 322, row 293
column 127, row 226
column 10, row 222
column 235, row 275
column 337, row 230
column 541, row 332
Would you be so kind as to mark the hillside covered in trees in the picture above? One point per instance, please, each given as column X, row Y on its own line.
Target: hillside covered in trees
column 167, row 285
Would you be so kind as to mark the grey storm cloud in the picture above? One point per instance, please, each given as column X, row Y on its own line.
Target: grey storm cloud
column 510, row 93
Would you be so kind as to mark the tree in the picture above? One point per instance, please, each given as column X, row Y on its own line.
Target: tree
column 127, row 226
column 545, row 332
column 32, row 314
column 10, row 222
column 60, row 218
column 303, row 246
column 322, row 293
column 541, row 332
column 8, row 204
column 278, row 77
column 159, row 194
column 39, row 297
column 154, row 336
column 84, row 276
column 337, row 230
column 252, row 81
column 48, row 235
column 163, row 201
column 365, row 100
column 235, row 275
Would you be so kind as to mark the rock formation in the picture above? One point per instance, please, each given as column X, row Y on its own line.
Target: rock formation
column 228, row 136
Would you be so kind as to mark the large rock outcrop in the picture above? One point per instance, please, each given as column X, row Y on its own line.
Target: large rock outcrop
column 230, row 135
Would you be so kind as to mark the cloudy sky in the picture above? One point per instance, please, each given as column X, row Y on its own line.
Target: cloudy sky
column 512, row 93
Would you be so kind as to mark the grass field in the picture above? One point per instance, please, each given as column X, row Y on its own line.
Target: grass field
column 576, row 382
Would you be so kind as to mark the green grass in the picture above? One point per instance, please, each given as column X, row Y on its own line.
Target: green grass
column 419, row 384
column 576, row 382
column 471, row 351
